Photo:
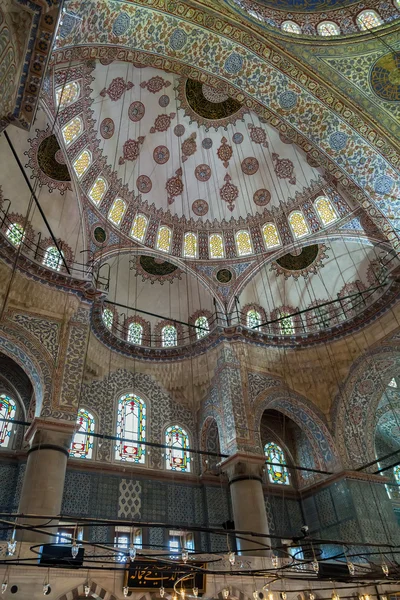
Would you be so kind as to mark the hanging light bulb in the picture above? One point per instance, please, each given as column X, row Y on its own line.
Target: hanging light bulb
column 74, row 549
column 185, row 556
column 231, row 558
column 225, row 593
column 312, row 596
column 385, row 569
column 383, row 597
column 11, row 546
column 4, row 587
column 315, row 566
column 183, row 593
column 46, row 589
column 87, row 590
column 132, row 552
column 255, row 595
column 275, row 561
column 271, row 596
column 283, row 595
column 125, row 591
column 162, row 592
column 335, row 595
column 174, row 597
column 351, row 567
column 195, row 592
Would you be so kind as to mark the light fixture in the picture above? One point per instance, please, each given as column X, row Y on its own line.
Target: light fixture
column 4, row 587
column 162, row 592
column 87, row 590
column 385, row 569
column 275, row 561
column 46, row 589
column 11, row 545
column 185, row 556
column 255, row 595
column 132, row 552
column 384, row 597
column 312, row 596
column 271, row 596
column 74, row 549
column 283, row 595
column 335, row 595
column 183, row 593
column 231, row 558
column 315, row 566
column 174, row 597
column 195, row 592
column 225, row 593
column 351, row 567
column 125, row 591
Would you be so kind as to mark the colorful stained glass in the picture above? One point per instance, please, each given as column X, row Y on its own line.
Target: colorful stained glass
column 291, row 27
column 271, row 237
column 190, row 245
column 253, row 318
column 97, row 191
column 82, row 442
column 169, row 336
column 8, row 409
column 243, row 243
column 325, row 210
column 277, row 472
column 286, row 324
column 177, row 457
column 164, row 239
column 131, row 429
column 393, row 383
column 216, row 246
column 139, row 227
column 202, row 322
column 396, row 473
column 298, row 224
column 135, row 333
column 82, row 163
column 52, row 258
column 327, row 28
column 67, row 94
column 108, row 318
column 117, row 211
column 72, row 130
column 15, row 233
column 368, row 19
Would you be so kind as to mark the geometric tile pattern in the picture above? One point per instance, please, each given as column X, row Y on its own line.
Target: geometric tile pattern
column 129, row 501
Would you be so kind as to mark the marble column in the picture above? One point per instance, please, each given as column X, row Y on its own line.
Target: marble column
column 245, row 480
column 43, row 485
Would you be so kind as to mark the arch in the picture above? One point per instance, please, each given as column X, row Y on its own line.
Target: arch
column 243, row 243
column 276, row 473
column 368, row 19
column 82, row 163
column 15, row 233
column 216, row 245
column 117, row 211
column 146, row 329
column 160, row 332
column 164, row 237
column 202, row 322
column 298, row 224
column 82, row 443
column 8, row 410
column 139, row 227
column 98, row 190
column 67, row 94
column 325, row 210
column 169, row 336
column 291, row 27
column 135, row 333
column 190, row 245
column 271, row 236
column 177, row 457
column 52, row 258
column 131, row 425
column 108, row 317
column 72, row 130
column 328, row 28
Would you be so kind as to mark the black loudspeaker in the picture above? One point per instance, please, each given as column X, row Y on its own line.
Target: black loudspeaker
column 334, row 571
column 51, row 556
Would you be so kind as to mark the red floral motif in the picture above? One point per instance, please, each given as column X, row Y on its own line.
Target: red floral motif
column 284, row 168
column 250, row 165
column 229, row 192
column 202, row 172
column 131, row 150
column 116, row 88
column 189, row 146
column 162, row 122
column 258, row 135
column 136, row 111
column 261, row 197
column 161, row 155
column 144, row 184
column 179, row 130
column 174, row 186
column 155, row 84
column 200, row 207
column 225, row 152
column 107, row 128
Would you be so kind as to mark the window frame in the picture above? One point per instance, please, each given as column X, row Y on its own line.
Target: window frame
column 92, row 442
column 251, row 251
column 223, row 245
column 303, row 235
column 315, row 204
column 284, row 469
column 325, row 22
column 123, row 212
column 360, row 15
column 118, row 444
column 268, row 247
column 165, row 227
column 12, row 430
column 188, row 457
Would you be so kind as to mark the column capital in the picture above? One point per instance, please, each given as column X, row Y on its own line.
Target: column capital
column 50, row 434
column 244, row 465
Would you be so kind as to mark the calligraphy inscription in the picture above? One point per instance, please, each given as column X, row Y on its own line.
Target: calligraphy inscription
column 150, row 574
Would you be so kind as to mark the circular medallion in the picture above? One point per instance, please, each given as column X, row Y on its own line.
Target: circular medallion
column 385, row 77
column 203, row 172
column 261, row 197
column 213, row 95
column 297, row 261
column 121, row 24
column 179, row 130
column 107, row 128
column 285, row 139
column 60, row 158
column 233, row 63
column 214, row 109
column 177, row 39
column 384, row 185
column 224, row 275
column 200, row 207
column 163, row 101
column 338, row 140
column 154, row 266
column 287, row 100
column 99, row 235
column 161, row 155
column 207, row 143
column 237, row 138
column 47, row 160
column 136, row 111
column 143, row 184
column 250, row 165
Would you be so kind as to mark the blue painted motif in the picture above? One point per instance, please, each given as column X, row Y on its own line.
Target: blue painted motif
column 233, row 63
column 287, row 100
column 384, row 184
column 178, row 39
column 338, row 140
column 121, row 24
column 305, row 5
column 237, row 138
column 353, row 224
column 207, row 143
column 68, row 23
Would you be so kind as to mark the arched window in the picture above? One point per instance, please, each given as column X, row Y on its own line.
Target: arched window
column 216, row 246
column 72, row 130
column 286, row 324
column 82, row 163
column 135, row 333
column 396, row 473
column 15, row 233
column 164, row 239
column 243, row 243
column 393, row 383
column 8, row 409
column 97, row 191
column 277, row 472
column 271, row 237
column 298, row 224
column 291, row 27
column 368, row 19
column 327, row 28
column 202, row 322
column 139, row 227
column 253, row 318
column 82, row 442
column 52, row 258
column 325, row 210
column 177, row 457
column 108, row 318
column 67, row 94
column 169, row 337
column 131, row 429
column 190, row 245
column 117, row 211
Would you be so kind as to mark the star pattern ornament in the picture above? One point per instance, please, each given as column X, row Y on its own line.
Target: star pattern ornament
column 229, row 192
column 116, row 89
column 174, row 186
column 225, row 152
column 284, row 168
column 189, row 146
column 162, row 123
column 131, row 150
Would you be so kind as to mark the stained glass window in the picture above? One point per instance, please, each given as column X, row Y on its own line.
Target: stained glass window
column 8, row 409
column 216, row 246
column 202, row 321
column 164, row 239
column 322, row 317
column 327, row 28
column 325, row 210
column 291, row 27
column 396, row 473
column 117, row 211
column 176, row 455
column 82, row 442
column 277, row 472
column 243, row 243
column 393, row 383
column 108, row 318
column 131, row 429
column 82, row 163
column 135, row 333
column 72, row 130
column 271, row 237
column 169, row 336
column 139, row 227
column 253, row 318
column 67, row 94
column 298, row 224
column 190, row 246
column 52, row 258
column 368, row 19
column 15, row 233
column 97, row 191
column 286, row 324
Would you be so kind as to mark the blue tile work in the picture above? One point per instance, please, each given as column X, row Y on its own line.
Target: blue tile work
column 9, row 499
column 285, row 517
